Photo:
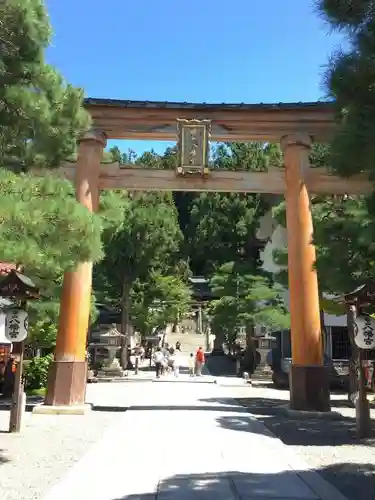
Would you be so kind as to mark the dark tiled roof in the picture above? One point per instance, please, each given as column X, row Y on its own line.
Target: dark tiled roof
column 201, row 289
column 25, row 280
column 15, row 284
column 90, row 101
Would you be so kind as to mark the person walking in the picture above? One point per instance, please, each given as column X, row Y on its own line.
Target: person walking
column 137, row 356
column 158, row 359
column 191, row 361
column 143, row 353
column 199, row 362
column 165, row 362
column 174, row 362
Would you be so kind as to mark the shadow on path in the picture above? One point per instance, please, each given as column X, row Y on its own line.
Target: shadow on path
column 299, row 429
column 292, row 485
column 216, row 408
column 31, row 402
column 221, row 366
column 3, row 458
column 146, row 368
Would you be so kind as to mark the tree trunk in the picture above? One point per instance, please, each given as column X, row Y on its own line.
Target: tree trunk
column 249, row 358
column 250, row 347
column 218, row 342
column 125, row 306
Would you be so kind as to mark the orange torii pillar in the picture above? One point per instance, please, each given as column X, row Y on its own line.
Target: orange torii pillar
column 67, row 377
column 309, row 385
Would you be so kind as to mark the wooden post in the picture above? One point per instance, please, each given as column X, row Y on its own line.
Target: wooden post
column 309, row 388
column 18, row 398
column 67, row 377
column 362, row 407
column 200, row 320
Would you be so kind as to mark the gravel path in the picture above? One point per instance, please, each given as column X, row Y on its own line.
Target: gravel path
column 32, row 461
column 328, row 445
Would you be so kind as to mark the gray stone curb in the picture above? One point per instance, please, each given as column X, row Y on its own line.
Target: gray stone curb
column 305, row 415
column 319, row 486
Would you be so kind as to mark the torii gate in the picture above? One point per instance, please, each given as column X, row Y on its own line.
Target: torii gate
column 295, row 126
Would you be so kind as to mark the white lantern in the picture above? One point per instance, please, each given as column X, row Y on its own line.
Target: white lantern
column 16, row 325
column 364, row 332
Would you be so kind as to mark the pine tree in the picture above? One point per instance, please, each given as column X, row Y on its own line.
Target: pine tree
column 246, row 299
column 223, row 226
column 350, row 82
column 158, row 301
column 40, row 119
column 146, row 240
column 41, row 116
column 42, row 227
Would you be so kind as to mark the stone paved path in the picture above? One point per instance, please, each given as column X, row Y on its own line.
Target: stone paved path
column 172, row 445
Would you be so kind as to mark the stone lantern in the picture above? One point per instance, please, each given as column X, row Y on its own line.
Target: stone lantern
column 111, row 340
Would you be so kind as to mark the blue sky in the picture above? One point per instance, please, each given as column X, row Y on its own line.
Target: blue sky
column 197, row 50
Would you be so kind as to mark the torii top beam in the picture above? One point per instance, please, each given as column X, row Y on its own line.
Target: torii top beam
column 147, row 120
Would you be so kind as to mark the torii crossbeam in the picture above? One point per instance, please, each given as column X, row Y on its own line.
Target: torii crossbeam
column 138, row 178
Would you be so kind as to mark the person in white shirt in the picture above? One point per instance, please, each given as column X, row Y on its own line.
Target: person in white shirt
column 158, row 359
column 174, row 362
column 192, row 363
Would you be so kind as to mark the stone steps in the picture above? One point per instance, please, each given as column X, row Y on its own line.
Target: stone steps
column 189, row 341
column 262, row 373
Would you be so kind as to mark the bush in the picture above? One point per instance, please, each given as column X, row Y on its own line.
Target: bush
column 36, row 372
column 26, row 364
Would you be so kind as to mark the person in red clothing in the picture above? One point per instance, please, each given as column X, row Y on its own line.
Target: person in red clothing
column 200, row 360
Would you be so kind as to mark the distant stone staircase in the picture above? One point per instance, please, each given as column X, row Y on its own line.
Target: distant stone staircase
column 189, row 341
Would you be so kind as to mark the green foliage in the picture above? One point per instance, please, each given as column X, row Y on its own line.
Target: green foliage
column 343, row 234
column 160, row 301
column 332, row 306
column 42, row 225
column 222, row 227
column 350, row 82
column 254, row 156
column 347, row 15
column 121, row 157
column 112, row 206
column 150, row 159
column 146, row 240
column 36, row 372
column 343, row 229
column 245, row 300
column 216, row 228
column 320, row 155
column 41, row 116
column 147, row 236
column 229, row 220
column 43, row 321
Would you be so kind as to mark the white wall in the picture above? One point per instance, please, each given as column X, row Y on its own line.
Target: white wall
column 277, row 240
column 3, row 340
